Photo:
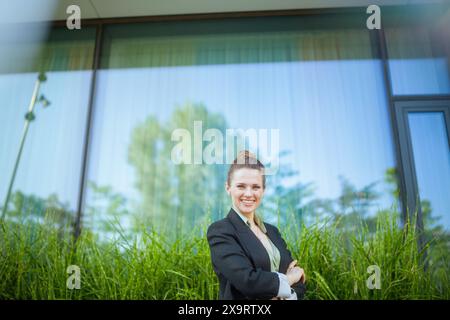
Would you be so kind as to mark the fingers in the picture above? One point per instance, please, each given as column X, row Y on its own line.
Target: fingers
column 299, row 274
column 303, row 276
column 292, row 265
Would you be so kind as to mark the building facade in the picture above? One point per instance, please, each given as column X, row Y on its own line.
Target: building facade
column 354, row 121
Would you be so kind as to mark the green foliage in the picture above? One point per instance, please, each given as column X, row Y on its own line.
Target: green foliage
column 34, row 258
column 339, row 270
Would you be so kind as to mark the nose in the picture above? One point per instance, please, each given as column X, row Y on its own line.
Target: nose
column 248, row 192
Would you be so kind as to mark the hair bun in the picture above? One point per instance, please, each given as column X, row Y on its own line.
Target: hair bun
column 246, row 157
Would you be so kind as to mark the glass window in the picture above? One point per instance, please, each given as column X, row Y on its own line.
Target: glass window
column 320, row 90
column 432, row 163
column 419, row 55
column 49, row 170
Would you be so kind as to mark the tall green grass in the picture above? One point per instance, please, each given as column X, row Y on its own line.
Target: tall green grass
column 337, row 262
column 34, row 259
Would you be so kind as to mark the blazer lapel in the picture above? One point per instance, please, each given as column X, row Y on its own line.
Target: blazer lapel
column 255, row 249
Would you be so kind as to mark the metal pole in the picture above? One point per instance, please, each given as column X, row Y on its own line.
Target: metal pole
column 88, row 133
column 28, row 118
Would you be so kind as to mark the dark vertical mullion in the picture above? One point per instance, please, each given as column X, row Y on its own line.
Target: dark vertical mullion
column 88, row 131
column 395, row 131
column 447, row 123
column 407, row 189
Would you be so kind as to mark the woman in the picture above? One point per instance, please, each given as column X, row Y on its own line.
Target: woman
column 250, row 257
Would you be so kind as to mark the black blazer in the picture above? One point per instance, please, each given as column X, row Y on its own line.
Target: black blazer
column 241, row 262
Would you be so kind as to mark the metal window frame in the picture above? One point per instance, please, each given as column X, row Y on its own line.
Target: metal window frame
column 402, row 109
column 88, row 132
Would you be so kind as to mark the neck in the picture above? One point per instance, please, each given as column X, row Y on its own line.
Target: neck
column 250, row 216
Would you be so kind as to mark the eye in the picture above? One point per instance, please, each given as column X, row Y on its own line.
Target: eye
column 240, row 186
column 256, row 187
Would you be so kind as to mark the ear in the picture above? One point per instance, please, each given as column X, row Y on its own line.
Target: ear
column 227, row 188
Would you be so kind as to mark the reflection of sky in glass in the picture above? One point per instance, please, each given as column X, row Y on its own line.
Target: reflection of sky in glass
column 432, row 161
column 332, row 116
column 51, row 158
column 420, row 76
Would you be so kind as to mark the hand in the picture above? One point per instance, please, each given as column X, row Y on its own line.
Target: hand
column 292, row 265
column 295, row 273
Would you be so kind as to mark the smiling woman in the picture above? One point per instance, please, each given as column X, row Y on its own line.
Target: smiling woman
column 249, row 256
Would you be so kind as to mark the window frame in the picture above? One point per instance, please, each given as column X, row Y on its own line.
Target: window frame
column 402, row 109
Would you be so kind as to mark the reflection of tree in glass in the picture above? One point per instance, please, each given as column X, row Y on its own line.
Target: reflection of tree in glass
column 298, row 201
column 175, row 197
column 180, row 196
column 31, row 208
column 283, row 201
column 105, row 210
column 435, row 234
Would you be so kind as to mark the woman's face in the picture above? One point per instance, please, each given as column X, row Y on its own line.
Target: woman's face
column 246, row 189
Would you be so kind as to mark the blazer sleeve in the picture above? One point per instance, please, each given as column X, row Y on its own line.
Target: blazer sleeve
column 230, row 260
column 299, row 288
